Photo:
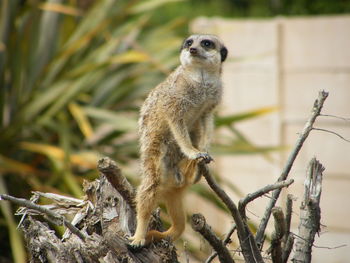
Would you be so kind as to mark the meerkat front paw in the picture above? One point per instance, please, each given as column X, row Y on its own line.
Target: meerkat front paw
column 204, row 156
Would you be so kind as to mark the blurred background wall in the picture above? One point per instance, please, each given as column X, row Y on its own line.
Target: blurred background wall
column 284, row 62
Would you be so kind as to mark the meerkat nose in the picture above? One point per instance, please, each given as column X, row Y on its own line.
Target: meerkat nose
column 193, row 50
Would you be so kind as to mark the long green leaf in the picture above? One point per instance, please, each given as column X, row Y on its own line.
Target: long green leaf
column 47, row 42
column 244, row 148
column 145, row 6
column 120, row 122
column 229, row 120
column 70, row 92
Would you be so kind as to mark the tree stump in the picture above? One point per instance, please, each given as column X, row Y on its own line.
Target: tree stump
column 104, row 219
column 310, row 213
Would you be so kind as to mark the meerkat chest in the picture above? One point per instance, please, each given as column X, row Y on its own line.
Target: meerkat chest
column 205, row 93
column 206, row 85
column 202, row 98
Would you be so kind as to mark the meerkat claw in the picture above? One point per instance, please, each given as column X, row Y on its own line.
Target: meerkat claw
column 136, row 245
column 132, row 247
column 205, row 157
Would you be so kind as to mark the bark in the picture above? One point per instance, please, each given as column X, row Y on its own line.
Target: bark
column 277, row 235
column 310, row 213
column 316, row 111
column 249, row 247
column 198, row 224
column 288, row 239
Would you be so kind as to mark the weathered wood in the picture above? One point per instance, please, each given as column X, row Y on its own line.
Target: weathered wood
column 249, row 247
column 316, row 111
column 276, row 239
column 287, row 249
column 310, row 213
column 288, row 239
column 199, row 224
column 106, row 220
column 114, row 175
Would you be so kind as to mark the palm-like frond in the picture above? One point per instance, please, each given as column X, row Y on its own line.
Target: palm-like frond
column 72, row 80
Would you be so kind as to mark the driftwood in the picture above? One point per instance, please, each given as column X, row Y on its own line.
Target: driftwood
column 310, row 213
column 104, row 220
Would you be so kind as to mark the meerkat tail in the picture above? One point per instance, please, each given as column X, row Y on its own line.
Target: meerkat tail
column 174, row 206
column 190, row 171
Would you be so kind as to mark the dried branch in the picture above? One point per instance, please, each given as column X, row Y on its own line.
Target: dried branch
column 243, row 203
column 336, row 247
column 277, row 235
column 249, row 247
column 226, row 241
column 310, row 213
column 316, row 111
column 288, row 239
column 334, row 116
column 198, row 224
column 252, row 196
column 109, row 168
column 51, row 216
column 280, row 223
column 287, row 249
column 289, row 210
column 332, row 132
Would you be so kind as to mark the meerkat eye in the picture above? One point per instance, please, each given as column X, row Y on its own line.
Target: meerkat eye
column 207, row 43
column 188, row 43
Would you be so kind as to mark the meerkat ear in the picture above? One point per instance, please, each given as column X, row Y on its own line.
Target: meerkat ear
column 223, row 53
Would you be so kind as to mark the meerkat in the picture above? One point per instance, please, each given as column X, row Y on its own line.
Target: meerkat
column 175, row 126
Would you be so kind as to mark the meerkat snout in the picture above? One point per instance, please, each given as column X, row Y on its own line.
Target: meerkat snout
column 193, row 51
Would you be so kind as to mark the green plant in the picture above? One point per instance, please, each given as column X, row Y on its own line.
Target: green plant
column 71, row 83
column 72, row 79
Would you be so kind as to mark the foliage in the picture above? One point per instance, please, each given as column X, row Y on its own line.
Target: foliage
column 71, row 83
column 72, row 76
column 254, row 8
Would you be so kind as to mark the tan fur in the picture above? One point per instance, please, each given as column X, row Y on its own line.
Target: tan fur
column 175, row 130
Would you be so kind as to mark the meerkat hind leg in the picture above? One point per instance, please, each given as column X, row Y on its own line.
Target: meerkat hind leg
column 174, row 205
column 146, row 203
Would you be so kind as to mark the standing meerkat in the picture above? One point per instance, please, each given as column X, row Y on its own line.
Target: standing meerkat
column 176, row 124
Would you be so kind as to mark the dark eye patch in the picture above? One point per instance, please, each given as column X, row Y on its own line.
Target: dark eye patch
column 207, row 43
column 188, row 43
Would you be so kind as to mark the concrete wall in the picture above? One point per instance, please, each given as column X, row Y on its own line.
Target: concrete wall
column 284, row 62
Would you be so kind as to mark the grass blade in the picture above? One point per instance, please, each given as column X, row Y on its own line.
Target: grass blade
column 229, row 120
column 81, row 119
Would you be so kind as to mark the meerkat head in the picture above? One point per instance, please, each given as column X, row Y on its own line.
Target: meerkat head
column 205, row 51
